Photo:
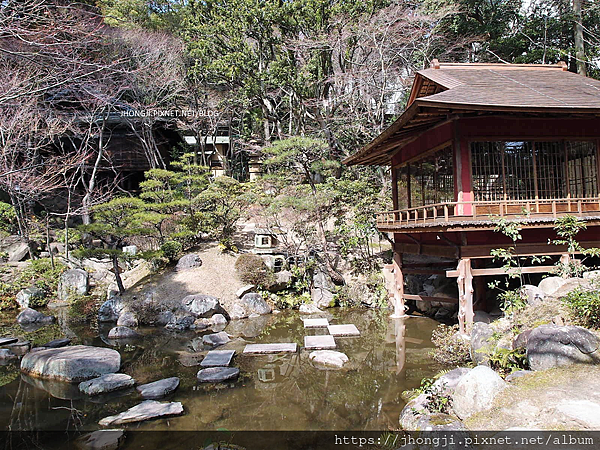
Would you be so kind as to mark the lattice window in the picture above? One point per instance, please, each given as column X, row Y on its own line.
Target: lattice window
column 550, row 163
column 583, row 169
column 528, row 170
column 432, row 179
column 488, row 179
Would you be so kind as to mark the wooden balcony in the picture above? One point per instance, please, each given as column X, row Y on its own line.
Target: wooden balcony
column 483, row 214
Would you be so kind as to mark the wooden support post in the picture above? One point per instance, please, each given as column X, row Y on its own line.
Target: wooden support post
column 465, row 296
column 565, row 259
column 399, row 285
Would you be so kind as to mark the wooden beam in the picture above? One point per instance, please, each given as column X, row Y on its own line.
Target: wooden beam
column 423, row 271
column 501, row 271
column 423, row 298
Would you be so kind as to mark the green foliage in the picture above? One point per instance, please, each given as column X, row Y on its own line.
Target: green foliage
column 220, row 206
column 36, row 338
column 451, row 349
column 75, row 236
column 291, row 300
column 83, row 308
column 512, row 300
column 567, row 228
column 584, row 306
column 8, row 218
column 437, row 400
column 38, row 272
column 506, row 361
column 171, row 250
column 252, row 269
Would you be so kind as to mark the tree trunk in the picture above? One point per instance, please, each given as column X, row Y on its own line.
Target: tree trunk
column 115, row 261
column 579, row 48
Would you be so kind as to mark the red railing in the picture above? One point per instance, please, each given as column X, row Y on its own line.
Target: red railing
column 488, row 210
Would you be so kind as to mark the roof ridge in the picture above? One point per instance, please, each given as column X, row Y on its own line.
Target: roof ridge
column 560, row 66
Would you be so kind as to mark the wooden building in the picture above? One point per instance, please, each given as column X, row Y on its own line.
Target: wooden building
column 482, row 141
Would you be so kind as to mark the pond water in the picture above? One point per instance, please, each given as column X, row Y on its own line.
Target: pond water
column 274, row 392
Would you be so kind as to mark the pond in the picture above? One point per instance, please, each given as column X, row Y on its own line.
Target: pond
column 274, row 392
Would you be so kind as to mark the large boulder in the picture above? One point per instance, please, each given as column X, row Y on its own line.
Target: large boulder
column 18, row 252
column 551, row 346
column 187, row 262
column 31, row 316
column 476, row 391
column 282, row 281
column 146, row 410
column 310, row 308
column 249, row 304
column 122, row 333
column 111, row 309
column 533, row 294
column 550, row 285
column 73, row 364
column 31, row 296
column 106, row 383
column 448, row 382
column 180, row 322
column 413, row 411
column 200, row 305
column 322, row 290
column 480, row 335
column 127, row 319
column 73, row 283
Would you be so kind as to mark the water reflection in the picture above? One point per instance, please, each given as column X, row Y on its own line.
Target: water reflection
column 274, row 392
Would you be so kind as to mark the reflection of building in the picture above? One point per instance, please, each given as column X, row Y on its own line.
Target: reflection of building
column 482, row 141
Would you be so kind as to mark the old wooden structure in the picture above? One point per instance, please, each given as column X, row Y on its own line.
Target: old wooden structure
column 482, row 141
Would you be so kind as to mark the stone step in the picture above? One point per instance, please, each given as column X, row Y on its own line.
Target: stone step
column 7, row 341
column 319, row 342
column 256, row 349
column 343, row 330
column 316, row 323
column 218, row 358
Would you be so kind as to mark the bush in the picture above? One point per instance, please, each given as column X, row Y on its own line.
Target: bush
column 7, row 218
column 83, row 308
column 171, row 249
column 584, row 306
column 451, row 349
column 253, row 270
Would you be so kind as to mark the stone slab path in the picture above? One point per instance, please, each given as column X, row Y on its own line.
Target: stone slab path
column 316, row 323
column 218, row 358
column 270, row 348
column 319, row 342
column 343, row 330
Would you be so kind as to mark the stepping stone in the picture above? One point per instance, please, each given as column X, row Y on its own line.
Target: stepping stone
column 270, row 348
column 316, row 323
column 319, row 342
column 215, row 339
column 106, row 383
column 158, row 389
column 343, row 330
column 7, row 341
column 217, row 374
column 57, row 343
column 149, row 409
column 218, row 358
column 328, row 358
